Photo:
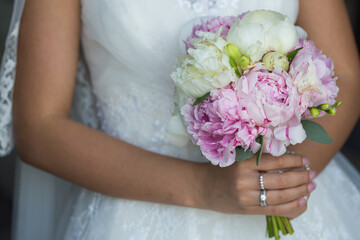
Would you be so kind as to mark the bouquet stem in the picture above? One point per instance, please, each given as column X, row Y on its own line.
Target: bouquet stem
column 275, row 224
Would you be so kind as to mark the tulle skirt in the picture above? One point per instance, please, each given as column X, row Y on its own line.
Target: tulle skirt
column 333, row 213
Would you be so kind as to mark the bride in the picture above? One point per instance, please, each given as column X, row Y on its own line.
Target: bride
column 136, row 185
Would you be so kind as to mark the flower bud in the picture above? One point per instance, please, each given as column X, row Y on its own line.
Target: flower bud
column 274, row 59
column 233, row 51
column 324, row 107
column 337, row 104
column 331, row 111
column 244, row 62
column 314, row 112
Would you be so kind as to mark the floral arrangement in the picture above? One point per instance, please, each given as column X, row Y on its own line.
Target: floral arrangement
column 247, row 85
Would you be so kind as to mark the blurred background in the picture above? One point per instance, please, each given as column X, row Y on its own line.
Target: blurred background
column 7, row 164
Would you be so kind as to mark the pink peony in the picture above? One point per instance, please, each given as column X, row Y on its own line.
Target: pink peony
column 211, row 25
column 271, row 100
column 216, row 126
column 313, row 75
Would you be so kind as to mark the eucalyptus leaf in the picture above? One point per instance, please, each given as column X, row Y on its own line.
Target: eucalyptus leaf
column 260, row 139
column 293, row 53
column 201, row 99
column 316, row 132
column 242, row 155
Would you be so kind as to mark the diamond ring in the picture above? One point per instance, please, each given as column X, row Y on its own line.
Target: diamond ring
column 263, row 198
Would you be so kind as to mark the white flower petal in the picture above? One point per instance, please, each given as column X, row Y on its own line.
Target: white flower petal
column 176, row 132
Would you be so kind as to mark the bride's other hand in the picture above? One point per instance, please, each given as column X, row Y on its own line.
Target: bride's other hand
column 236, row 189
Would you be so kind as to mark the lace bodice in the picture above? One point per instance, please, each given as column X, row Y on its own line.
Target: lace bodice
column 131, row 46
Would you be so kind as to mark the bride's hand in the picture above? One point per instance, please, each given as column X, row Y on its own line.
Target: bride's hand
column 236, row 189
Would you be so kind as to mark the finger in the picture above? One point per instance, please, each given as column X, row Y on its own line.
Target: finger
column 275, row 197
column 285, row 209
column 290, row 179
column 296, row 213
column 286, row 161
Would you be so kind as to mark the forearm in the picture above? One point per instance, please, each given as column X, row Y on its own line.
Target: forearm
column 45, row 136
column 107, row 165
column 328, row 25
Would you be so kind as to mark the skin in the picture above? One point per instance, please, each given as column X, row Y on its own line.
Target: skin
column 48, row 139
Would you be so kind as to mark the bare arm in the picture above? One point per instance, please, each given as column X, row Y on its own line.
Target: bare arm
column 327, row 24
column 48, row 139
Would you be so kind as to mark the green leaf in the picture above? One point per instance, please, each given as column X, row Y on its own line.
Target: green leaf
column 201, row 99
column 259, row 139
column 242, row 155
column 293, row 53
column 316, row 132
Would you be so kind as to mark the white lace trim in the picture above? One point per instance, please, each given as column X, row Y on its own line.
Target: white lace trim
column 207, row 6
column 7, row 76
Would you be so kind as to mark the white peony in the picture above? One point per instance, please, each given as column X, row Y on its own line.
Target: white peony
column 261, row 31
column 205, row 68
column 176, row 131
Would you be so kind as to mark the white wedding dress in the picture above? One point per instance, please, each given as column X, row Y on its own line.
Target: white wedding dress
column 130, row 48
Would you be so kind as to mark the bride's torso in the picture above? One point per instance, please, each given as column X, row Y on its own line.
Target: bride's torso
column 130, row 48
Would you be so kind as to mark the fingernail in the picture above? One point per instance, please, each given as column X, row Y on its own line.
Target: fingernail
column 312, row 175
column 311, row 187
column 305, row 161
column 303, row 201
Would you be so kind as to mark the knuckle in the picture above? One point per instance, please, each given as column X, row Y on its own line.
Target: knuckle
column 282, row 180
column 242, row 200
column 282, row 196
column 241, row 183
column 280, row 161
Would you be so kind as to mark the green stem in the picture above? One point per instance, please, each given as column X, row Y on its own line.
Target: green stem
column 281, row 225
column 276, row 229
column 287, row 223
column 270, row 227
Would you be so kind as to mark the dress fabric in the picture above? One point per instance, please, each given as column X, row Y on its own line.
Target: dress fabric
column 130, row 48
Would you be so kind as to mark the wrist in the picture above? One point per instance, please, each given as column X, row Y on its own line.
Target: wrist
column 206, row 175
column 198, row 193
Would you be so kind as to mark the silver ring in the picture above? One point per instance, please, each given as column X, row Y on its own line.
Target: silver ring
column 262, row 182
column 263, row 198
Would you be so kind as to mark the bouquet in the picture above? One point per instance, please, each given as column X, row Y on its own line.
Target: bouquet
column 248, row 85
